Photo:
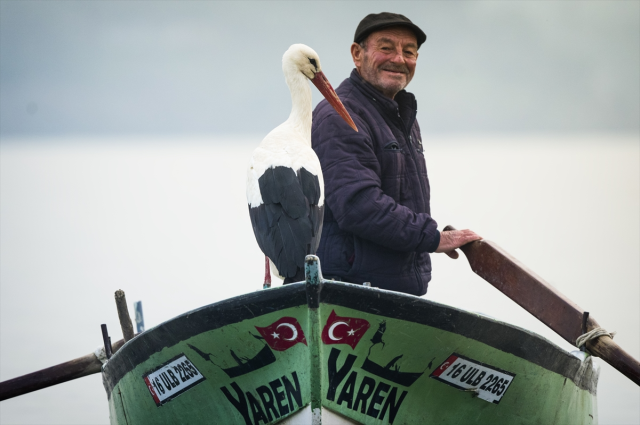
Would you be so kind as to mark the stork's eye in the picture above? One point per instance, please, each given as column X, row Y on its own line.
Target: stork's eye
column 313, row 62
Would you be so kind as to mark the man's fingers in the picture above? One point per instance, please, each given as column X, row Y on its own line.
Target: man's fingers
column 472, row 237
column 469, row 235
column 452, row 239
column 466, row 236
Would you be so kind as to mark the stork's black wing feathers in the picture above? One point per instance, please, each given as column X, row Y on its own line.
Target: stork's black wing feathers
column 288, row 224
column 280, row 185
column 311, row 189
column 294, row 234
column 310, row 186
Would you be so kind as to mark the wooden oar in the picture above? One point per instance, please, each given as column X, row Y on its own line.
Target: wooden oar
column 546, row 303
column 67, row 371
column 73, row 369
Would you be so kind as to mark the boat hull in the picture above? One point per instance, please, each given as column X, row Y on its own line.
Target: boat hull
column 358, row 354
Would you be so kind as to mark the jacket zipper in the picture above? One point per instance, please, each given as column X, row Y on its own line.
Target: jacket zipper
column 411, row 148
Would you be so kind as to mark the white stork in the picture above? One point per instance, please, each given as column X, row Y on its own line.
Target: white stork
column 285, row 189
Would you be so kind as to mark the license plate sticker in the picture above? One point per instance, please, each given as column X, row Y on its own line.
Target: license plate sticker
column 171, row 379
column 463, row 373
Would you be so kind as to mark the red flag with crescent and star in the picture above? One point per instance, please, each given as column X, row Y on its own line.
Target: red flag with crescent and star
column 283, row 334
column 344, row 330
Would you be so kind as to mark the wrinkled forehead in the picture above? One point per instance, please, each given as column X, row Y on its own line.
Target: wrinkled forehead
column 394, row 35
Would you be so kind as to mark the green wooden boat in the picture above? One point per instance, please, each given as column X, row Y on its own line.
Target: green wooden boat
column 326, row 352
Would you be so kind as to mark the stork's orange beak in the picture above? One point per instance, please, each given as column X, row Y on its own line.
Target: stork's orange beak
column 323, row 85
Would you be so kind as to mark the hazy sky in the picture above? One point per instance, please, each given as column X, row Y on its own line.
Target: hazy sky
column 152, row 67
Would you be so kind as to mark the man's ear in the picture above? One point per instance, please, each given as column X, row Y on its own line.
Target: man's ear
column 356, row 54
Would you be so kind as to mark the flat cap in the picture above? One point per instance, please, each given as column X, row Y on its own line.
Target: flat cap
column 377, row 21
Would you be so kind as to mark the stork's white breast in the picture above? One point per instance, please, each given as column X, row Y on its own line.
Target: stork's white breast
column 277, row 150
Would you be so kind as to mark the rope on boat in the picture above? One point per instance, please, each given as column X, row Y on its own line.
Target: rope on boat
column 593, row 334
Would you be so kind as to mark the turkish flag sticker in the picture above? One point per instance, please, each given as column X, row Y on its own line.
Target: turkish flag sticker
column 344, row 330
column 283, row 333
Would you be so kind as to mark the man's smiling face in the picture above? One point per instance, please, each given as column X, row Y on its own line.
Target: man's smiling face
column 388, row 60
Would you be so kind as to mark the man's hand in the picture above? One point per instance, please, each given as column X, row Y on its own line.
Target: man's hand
column 452, row 239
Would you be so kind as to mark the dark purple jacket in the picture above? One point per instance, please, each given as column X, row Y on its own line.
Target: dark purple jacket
column 377, row 222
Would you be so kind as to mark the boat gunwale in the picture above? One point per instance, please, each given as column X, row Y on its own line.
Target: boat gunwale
column 502, row 336
column 173, row 331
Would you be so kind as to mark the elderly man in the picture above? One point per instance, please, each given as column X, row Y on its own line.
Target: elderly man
column 377, row 222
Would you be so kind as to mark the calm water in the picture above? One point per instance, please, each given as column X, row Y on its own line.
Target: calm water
column 167, row 222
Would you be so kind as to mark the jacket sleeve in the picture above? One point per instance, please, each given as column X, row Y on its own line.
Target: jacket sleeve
column 353, row 190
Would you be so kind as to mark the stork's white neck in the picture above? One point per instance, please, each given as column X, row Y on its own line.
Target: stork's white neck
column 300, row 117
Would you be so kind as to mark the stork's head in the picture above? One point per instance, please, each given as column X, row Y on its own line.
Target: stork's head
column 300, row 58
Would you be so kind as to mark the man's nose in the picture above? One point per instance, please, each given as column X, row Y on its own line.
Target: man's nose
column 398, row 57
